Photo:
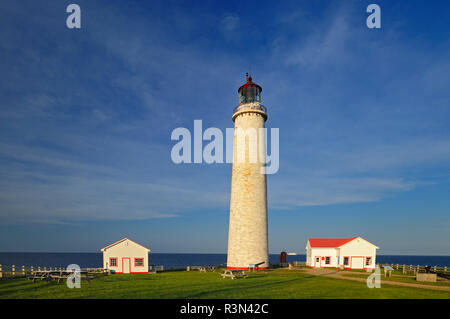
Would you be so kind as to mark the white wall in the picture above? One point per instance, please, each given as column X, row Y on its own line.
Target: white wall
column 126, row 249
column 357, row 250
column 323, row 252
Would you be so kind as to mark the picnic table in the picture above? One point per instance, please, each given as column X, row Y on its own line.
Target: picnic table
column 201, row 268
column 233, row 274
column 57, row 275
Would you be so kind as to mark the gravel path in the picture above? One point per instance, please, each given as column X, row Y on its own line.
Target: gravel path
column 340, row 275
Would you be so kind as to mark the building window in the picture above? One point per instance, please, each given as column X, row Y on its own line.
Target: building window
column 113, row 262
column 139, row 262
column 345, row 261
column 368, row 261
column 327, row 260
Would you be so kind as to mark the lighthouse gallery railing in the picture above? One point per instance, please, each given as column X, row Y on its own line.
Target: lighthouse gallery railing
column 251, row 107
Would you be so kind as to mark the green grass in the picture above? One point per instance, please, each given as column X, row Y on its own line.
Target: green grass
column 182, row 284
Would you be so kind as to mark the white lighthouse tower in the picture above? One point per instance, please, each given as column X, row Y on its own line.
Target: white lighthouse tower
column 247, row 237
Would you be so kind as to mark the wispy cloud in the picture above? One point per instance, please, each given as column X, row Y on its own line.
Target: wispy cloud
column 86, row 125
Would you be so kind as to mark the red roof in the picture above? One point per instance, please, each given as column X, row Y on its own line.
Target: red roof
column 249, row 83
column 329, row 242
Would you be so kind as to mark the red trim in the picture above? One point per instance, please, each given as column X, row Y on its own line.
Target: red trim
column 315, row 262
column 246, row 268
column 321, row 267
column 119, row 241
column 249, row 83
column 343, row 262
column 143, row 261
column 131, row 273
column 351, row 262
column 117, row 265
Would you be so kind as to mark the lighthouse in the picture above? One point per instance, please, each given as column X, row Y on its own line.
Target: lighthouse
column 247, row 236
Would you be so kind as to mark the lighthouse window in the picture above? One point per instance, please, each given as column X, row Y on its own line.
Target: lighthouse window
column 368, row 261
column 346, row 261
column 327, row 260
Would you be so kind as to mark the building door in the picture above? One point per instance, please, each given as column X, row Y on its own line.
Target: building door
column 357, row 262
column 317, row 264
column 126, row 265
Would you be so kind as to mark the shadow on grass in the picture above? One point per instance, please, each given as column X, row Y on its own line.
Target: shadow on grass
column 240, row 287
column 22, row 287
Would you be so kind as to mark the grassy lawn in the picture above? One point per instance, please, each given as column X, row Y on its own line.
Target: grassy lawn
column 274, row 284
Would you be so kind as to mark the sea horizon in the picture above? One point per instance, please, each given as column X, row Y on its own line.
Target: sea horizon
column 190, row 253
column 181, row 260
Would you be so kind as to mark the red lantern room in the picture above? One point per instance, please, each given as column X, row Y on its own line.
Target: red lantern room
column 250, row 92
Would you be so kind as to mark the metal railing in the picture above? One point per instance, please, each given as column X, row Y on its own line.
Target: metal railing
column 250, row 106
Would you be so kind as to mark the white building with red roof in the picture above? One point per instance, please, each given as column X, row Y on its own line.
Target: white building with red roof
column 348, row 253
column 126, row 257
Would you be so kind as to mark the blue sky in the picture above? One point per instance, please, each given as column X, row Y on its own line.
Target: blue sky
column 86, row 117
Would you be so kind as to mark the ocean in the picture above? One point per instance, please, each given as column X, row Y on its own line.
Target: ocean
column 175, row 261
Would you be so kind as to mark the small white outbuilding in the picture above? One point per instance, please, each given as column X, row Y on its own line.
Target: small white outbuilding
column 348, row 253
column 126, row 257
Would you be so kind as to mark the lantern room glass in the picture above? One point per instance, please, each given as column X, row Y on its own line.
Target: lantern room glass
column 249, row 94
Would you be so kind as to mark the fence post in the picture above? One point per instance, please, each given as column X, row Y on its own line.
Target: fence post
column 404, row 269
column 23, row 270
column 396, row 267
column 1, row 271
column 434, row 268
column 13, row 270
column 445, row 269
column 32, row 270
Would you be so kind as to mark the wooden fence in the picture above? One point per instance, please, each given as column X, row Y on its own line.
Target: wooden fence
column 404, row 268
column 417, row 268
column 14, row 271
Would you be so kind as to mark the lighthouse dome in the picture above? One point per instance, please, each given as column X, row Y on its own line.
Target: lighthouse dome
column 250, row 92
